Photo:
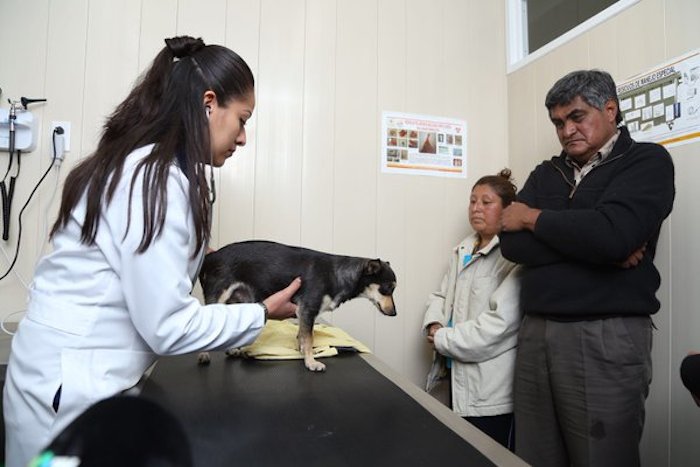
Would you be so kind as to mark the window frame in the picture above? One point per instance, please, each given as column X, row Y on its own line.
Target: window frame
column 516, row 31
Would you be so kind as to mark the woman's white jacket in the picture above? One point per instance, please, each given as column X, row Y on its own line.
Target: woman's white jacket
column 99, row 315
column 478, row 306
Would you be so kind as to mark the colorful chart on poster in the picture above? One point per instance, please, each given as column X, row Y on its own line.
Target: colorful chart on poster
column 415, row 144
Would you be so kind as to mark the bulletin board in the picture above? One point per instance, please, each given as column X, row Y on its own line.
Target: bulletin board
column 663, row 105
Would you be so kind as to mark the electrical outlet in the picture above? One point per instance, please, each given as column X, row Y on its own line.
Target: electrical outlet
column 66, row 133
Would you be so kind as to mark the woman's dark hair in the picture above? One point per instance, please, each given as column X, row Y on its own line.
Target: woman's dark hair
column 502, row 184
column 165, row 107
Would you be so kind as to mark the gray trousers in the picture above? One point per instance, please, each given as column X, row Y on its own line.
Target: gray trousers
column 580, row 389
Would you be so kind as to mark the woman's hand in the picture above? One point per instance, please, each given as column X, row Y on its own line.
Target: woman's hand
column 432, row 329
column 279, row 305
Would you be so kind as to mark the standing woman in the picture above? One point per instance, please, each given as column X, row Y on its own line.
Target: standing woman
column 472, row 321
column 131, row 233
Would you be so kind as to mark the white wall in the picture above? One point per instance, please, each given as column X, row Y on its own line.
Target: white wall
column 647, row 34
column 325, row 71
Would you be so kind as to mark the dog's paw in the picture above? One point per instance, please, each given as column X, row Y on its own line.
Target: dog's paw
column 314, row 365
column 234, row 352
column 203, row 358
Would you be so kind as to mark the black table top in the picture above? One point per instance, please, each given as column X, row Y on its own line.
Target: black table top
column 276, row 413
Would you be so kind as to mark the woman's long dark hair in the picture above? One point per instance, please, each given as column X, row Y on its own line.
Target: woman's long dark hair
column 165, row 108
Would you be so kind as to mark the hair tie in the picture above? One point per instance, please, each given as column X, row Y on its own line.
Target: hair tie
column 183, row 46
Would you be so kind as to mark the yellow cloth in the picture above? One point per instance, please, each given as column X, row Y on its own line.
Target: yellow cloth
column 278, row 341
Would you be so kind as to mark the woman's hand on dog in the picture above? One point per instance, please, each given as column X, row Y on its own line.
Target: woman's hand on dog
column 279, row 305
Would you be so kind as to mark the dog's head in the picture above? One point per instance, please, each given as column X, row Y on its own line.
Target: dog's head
column 378, row 283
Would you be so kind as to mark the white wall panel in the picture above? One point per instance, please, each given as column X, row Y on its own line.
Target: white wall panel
column 641, row 32
column 356, row 142
column 318, row 133
column 604, row 47
column 427, row 241
column 235, row 210
column 681, row 27
column 427, row 253
column 279, row 121
column 310, row 173
column 158, row 22
column 64, row 84
column 111, row 66
column 205, row 19
column 392, row 206
column 427, row 244
column 483, row 74
column 522, row 126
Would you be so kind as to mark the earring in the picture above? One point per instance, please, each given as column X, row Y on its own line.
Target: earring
column 207, row 110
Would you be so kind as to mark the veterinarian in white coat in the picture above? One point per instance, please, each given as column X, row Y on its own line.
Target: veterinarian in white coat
column 472, row 321
column 131, row 234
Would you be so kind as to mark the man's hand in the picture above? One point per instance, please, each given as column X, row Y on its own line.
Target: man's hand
column 635, row 258
column 519, row 216
column 279, row 305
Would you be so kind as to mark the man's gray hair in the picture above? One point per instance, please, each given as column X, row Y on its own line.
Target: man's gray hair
column 595, row 87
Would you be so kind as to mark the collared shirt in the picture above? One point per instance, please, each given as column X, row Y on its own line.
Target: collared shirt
column 600, row 156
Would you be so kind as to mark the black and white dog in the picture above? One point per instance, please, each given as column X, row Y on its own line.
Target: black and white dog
column 251, row 271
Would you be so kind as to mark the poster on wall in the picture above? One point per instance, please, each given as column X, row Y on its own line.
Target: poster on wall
column 423, row 145
column 663, row 105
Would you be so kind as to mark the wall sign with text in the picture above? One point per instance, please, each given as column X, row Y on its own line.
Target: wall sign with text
column 663, row 105
column 423, row 145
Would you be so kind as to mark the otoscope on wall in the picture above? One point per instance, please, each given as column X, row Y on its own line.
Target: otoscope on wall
column 17, row 108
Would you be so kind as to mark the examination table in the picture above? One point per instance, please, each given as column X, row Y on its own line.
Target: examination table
column 276, row 413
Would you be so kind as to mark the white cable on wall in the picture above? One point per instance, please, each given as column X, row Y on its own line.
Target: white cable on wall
column 58, row 155
column 4, row 320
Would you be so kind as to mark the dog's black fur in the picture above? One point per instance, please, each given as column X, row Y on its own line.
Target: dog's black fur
column 251, row 271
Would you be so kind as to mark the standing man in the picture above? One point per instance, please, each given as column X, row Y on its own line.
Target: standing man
column 585, row 228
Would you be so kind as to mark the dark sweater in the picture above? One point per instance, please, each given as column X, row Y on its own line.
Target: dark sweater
column 571, row 259
column 690, row 373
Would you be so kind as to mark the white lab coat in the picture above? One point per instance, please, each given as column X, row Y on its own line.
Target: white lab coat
column 98, row 316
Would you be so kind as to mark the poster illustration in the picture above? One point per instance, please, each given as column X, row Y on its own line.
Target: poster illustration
column 423, row 145
column 663, row 105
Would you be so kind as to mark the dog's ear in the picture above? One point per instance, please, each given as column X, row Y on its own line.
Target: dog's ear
column 373, row 266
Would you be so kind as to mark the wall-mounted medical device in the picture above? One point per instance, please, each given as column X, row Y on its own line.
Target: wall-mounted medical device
column 26, row 131
column 19, row 128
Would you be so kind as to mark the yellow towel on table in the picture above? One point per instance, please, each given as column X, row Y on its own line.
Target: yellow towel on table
column 278, row 341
